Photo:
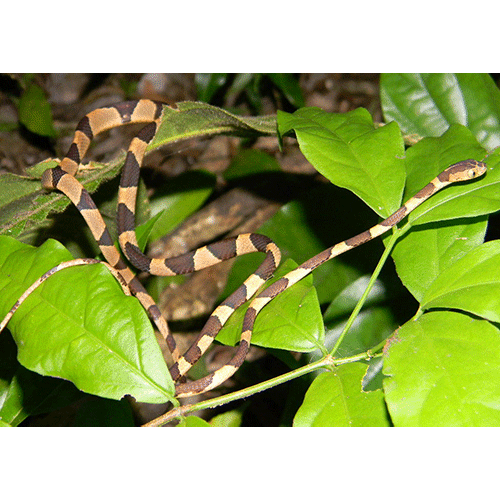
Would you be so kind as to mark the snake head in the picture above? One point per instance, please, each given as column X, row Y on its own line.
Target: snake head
column 476, row 169
column 463, row 171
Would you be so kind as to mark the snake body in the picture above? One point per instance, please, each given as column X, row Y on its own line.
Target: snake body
column 146, row 111
column 464, row 170
column 62, row 178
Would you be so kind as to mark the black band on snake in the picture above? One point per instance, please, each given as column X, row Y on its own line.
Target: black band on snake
column 150, row 112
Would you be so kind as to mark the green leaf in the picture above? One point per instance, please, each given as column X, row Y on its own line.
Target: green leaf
column 422, row 255
column 337, row 400
column 349, row 151
column 31, row 394
column 465, row 199
column 207, row 84
column 291, row 321
column 21, row 206
column 251, row 162
column 289, row 85
column 197, row 119
column 444, row 370
column 231, row 418
column 29, row 205
column 88, row 333
column 23, row 392
column 373, row 324
column 304, row 220
column 471, row 284
column 427, row 104
column 241, row 82
column 174, row 202
column 194, row 421
column 425, row 251
column 430, row 156
column 35, row 113
column 345, row 301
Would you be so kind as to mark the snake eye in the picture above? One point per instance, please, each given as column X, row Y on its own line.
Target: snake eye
column 471, row 173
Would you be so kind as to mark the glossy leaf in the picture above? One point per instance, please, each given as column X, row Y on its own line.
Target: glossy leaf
column 474, row 198
column 374, row 323
column 444, row 370
column 427, row 104
column 430, row 156
column 293, row 322
column 349, row 151
column 337, row 400
column 173, row 203
column 345, row 301
column 471, row 284
column 372, row 326
column 88, row 333
column 425, row 251
column 421, row 255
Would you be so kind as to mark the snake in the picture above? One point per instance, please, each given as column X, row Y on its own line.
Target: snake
column 458, row 172
column 62, row 177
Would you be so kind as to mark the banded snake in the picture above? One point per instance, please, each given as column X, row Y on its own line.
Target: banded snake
column 146, row 111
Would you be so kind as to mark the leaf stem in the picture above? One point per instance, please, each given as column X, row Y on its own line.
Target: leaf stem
column 392, row 241
column 326, row 361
